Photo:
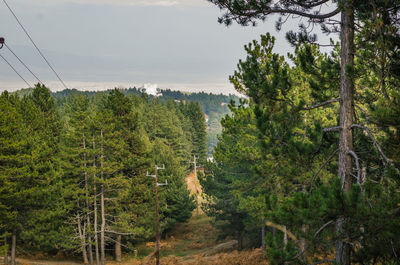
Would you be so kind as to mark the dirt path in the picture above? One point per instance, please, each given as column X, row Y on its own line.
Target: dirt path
column 195, row 189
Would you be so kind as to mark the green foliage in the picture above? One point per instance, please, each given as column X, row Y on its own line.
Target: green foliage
column 57, row 158
column 292, row 182
column 236, row 158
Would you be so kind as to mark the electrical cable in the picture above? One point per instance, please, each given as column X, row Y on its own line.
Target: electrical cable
column 34, row 44
column 5, row 44
column 15, row 70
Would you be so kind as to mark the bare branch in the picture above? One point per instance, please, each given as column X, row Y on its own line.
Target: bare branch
column 114, row 241
column 281, row 228
column 354, row 155
column 323, row 165
column 119, row 233
column 322, row 104
column 332, row 129
column 364, row 128
column 323, row 227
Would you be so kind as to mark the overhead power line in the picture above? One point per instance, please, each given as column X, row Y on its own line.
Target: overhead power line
column 15, row 70
column 16, row 56
column 34, row 44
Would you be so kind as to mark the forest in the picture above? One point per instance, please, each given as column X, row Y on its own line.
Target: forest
column 73, row 171
column 306, row 165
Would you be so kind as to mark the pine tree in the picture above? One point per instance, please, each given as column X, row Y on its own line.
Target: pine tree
column 236, row 158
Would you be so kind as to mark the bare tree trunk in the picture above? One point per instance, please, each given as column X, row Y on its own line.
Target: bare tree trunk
column 82, row 238
column 118, row 252
column 96, row 236
column 303, row 242
column 103, row 219
column 13, row 246
column 6, row 249
column 346, row 119
column 87, row 203
column 90, row 246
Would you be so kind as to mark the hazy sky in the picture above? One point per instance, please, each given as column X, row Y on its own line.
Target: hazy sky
column 97, row 44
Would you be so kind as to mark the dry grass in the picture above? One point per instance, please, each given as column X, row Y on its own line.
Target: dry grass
column 195, row 189
column 250, row 257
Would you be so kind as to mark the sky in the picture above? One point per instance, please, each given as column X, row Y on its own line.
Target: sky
column 102, row 44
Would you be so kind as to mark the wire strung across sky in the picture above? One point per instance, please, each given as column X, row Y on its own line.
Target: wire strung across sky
column 5, row 44
column 15, row 70
column 34, row 44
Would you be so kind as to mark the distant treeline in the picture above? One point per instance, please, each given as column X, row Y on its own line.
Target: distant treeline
column 214, row 106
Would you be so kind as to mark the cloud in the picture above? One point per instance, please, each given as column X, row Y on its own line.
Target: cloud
column 162, row 3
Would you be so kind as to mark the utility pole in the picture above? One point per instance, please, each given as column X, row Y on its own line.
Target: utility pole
column 157, row 245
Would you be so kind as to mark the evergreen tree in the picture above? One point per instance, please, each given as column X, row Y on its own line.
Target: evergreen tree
column 236, row 158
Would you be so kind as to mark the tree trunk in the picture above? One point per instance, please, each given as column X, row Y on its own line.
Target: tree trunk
column 6, row 249
column 103, row 219
column 118, row 252
column 96, row 236
column 263, row 249
column 346, row 119
column 302, row 239
column 87, row 203
column 13, row 247
column 82, row 238
column 303, row 242
column 240, row 240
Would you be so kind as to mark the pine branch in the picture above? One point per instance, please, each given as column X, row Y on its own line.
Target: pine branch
column 308, row 6
column 283, row 11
